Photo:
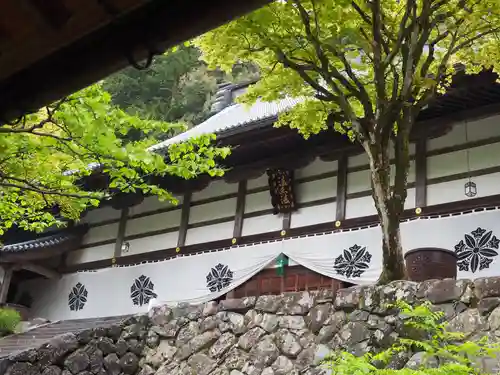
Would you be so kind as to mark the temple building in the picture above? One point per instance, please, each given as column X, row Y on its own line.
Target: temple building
column 288, row 215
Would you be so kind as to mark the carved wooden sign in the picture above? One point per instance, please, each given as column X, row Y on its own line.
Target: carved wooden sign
column 282, row 190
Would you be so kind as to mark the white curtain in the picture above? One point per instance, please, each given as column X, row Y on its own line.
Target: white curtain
column 352, row 256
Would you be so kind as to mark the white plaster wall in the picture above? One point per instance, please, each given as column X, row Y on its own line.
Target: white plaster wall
column 360, row 180
column 210, row 233
column 313, row 215
column 258, row 182
column 165, row 220
column 258, row 201
column 364, row 206
column 91, row 254
column 477, row 130
column 262, row 224
column 456, row 162
column 315, row 168
column 151, row 204
column 212, row 210
column 454, row 190
column 101, row 233
column 316, row 190
column 153, row 243
column 99, row 215
column 216, row 188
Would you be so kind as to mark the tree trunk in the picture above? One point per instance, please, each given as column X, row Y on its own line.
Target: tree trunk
column 390, row 206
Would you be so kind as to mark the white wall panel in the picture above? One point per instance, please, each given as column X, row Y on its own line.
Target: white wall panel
column 315, row 168
column 101, row 233
column 358, row 181
column 213, row 210
column 165, row 220
column 313, row 215
column 91, row 254
column 99, row 215
column 258, row 182
column 410, row 199
column 153, row 243
column 258, row 202
column 481, row 129
column 262, row 224
column 454, row 190
column 315, row 190
column 456, row 162
column 152, row 204
column 216, row 188
column 210, row 233
column 365, row 206
column 357, row 207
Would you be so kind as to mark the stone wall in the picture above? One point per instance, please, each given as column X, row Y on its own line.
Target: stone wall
column 269, row 335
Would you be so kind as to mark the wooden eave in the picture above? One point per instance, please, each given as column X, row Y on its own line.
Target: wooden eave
column 43, row 246
column 49, row 49
column 260, row 146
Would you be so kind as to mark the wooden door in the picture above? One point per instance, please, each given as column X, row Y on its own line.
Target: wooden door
column 295, row 279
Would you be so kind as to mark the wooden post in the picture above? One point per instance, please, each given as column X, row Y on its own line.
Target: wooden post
column 4, row 289
column 240, row 209
column 120, row 236
column 342, row 166
column 421, row 172
column 186, row 203
column 287, row 220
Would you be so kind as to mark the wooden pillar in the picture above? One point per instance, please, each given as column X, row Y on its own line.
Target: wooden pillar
column 421, row 172
column 287, row 220
column 186, row 203
column 240, row 209
column 120, row 236
column 342, row 167
column 4, row 289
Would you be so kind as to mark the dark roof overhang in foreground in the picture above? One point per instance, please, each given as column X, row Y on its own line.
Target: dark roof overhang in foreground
column 49, row 49
column 43, row 246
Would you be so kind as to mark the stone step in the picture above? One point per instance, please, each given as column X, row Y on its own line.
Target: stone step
column 39, row 335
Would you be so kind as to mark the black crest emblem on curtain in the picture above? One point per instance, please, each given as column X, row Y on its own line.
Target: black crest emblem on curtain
column 142, row 290
column 77, row 297
column 353, row 262
column 219, row 277
column 477, row 250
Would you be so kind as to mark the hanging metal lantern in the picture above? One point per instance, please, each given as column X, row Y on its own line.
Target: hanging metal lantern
column 470, row 189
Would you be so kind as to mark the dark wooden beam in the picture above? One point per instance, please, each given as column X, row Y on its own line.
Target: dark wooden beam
column 40, row 270
column 54, row 12
column 342, row 168
column 240, row 209
column 4, row 288
column 103, row 51
column 421, row 172
column 183, row 228
column 120, row 236
column 287, row 221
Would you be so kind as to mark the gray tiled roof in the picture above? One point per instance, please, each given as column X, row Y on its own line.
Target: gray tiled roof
column 46, row 241
column 234, row 116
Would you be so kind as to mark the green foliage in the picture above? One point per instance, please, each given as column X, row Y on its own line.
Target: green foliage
column 369, row 67
column 362, row 59
column 44, row 157
column 429, row 335
column 9, row 320
column 177, row 87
